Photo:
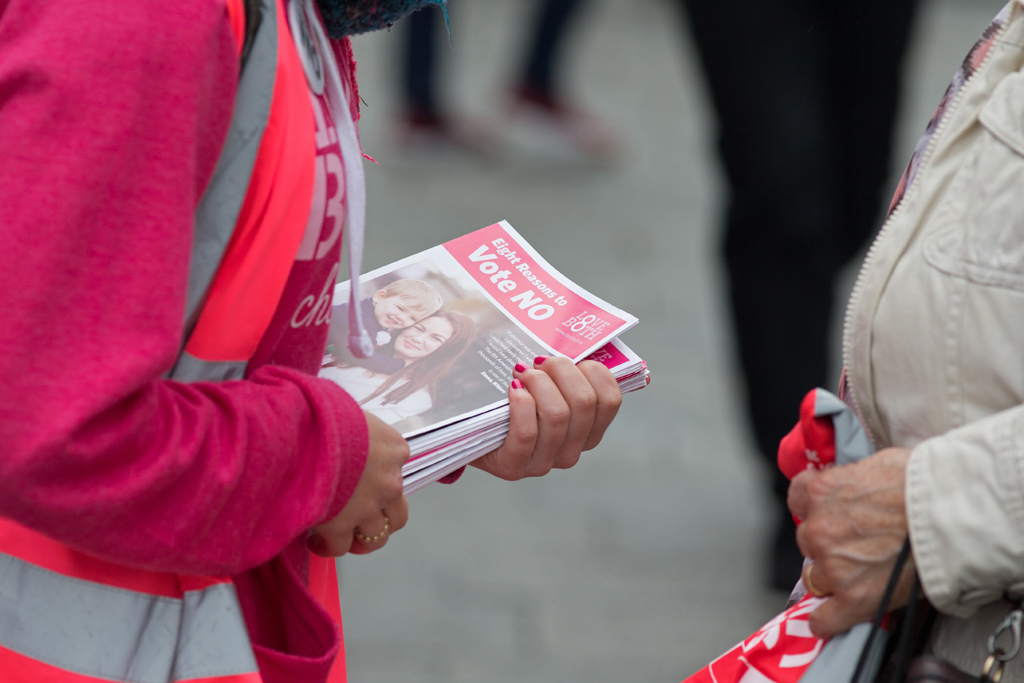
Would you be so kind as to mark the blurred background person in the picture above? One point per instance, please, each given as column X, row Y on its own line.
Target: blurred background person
column 538, row 113
column 805, row 93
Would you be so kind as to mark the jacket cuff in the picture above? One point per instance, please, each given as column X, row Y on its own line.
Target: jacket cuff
column 349, row 433
column 965, row 512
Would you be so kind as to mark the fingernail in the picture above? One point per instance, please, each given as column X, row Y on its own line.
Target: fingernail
column 315, row 543
column 520, row 367
column 516, row 384
column 539, row 359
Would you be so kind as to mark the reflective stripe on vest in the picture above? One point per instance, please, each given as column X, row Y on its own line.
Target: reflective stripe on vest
column 69, row 617
column 219, row 209
column 254, row 214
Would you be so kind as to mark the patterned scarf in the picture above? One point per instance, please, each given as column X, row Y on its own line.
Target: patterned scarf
column 349, row 17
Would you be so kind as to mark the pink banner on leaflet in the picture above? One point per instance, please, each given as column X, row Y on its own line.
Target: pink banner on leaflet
column 538, row 299
column 609, row 356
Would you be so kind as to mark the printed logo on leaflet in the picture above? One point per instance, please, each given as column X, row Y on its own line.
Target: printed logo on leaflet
column 586, row 325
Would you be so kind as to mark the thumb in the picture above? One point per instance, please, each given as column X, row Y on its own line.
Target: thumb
column 834, row 617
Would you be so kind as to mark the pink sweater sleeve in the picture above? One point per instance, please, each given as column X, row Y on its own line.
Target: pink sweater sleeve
column 111, row 120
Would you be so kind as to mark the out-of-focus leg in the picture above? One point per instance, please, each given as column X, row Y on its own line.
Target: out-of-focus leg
column 419, row 61
column 551, row 22
column 794, row 214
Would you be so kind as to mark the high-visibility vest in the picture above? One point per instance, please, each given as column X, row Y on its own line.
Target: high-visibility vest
column 67, row 617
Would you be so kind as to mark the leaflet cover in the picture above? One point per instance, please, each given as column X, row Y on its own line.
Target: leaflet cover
column 450, row 323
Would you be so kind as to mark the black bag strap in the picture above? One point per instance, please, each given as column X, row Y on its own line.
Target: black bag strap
column 906, row 630
column 999, row 650
column 883, row 607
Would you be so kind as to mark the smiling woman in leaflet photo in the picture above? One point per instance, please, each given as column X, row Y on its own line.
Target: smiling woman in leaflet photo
column 428, row 349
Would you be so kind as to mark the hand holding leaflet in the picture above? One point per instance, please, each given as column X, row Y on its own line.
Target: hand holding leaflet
column 459, row 363
column 377, row 502
column 562, row 410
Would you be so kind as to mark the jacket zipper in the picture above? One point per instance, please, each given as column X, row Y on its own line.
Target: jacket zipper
column 871, row 255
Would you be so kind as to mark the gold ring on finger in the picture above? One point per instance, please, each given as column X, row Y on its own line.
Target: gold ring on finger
column 373, row 539
column 808, row 584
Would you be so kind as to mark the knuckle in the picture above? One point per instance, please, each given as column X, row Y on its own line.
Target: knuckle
column 402, row 449
column 568, row 461
column 810, row 529
column 796, row 491
column 585, row 401
column 539, row 467
column 820, row 487
column 819, row 622
column 857, row 594
column 339, row 545
column 803, row 542
column 523, row 469
column 508, row 464
column 525, row 433
column 831, row 529
column 510, row 471
column 812, row 536
column 513, row 473
column 614, row 401
column 558, row 362
column 816, row 531
column 558, row 417
column 393, row 488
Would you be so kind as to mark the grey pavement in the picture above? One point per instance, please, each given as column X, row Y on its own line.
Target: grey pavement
column 644, row 561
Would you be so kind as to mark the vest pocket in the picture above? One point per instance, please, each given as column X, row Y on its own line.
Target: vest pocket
column 979, row 227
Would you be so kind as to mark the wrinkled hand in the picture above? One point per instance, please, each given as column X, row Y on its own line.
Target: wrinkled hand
column 377, row 496
column 854, row 526
column 559, row 411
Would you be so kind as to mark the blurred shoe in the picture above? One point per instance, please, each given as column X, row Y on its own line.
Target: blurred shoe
column 544, row 126
column 427, row 136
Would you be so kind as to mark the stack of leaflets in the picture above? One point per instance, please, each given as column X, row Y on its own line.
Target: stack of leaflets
column 449, row 324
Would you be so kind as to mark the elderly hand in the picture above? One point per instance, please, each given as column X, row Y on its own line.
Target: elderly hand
column 558, row 410
column 854, row 526
column 377, row 507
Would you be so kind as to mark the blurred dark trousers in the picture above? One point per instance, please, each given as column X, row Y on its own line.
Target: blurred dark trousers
column 805, row 93
column 550, row 21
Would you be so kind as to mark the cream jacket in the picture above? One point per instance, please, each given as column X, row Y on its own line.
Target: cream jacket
column 934, row 345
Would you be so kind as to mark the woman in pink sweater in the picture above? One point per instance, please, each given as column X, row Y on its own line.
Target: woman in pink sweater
column 113, row 119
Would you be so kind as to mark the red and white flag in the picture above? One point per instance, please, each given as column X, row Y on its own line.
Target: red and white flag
column 779, row 652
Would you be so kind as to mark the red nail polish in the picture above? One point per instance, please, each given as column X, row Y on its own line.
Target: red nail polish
column 539, row 359
column 516, row 384
column 520, row 367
